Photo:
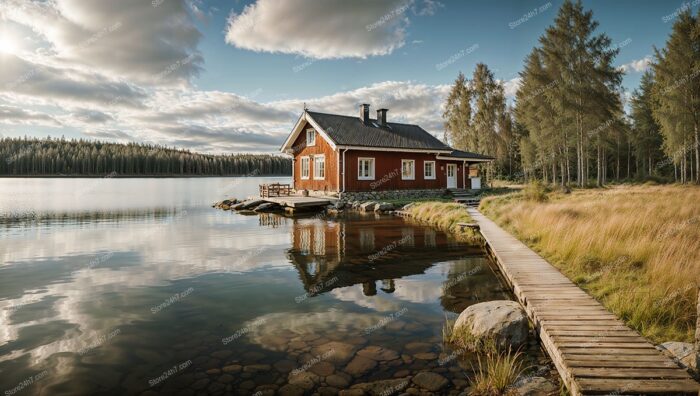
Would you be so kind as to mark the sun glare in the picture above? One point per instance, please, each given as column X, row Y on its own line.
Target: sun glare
column 8, row 43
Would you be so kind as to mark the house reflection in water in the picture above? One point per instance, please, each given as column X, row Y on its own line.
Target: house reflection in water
column 367, row 250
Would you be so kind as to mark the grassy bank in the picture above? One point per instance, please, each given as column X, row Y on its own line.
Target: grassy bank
column 444, row 216
column 635, row 248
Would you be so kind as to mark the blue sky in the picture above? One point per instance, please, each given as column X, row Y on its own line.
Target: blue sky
column 232, row 76
column 429, row 40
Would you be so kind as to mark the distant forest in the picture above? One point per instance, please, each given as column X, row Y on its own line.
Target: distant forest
column 60, row 157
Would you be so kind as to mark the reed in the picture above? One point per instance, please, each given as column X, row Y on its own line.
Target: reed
column 634, row 248
column 497, row 373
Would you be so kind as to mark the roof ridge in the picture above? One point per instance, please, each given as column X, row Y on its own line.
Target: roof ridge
column 349, row 116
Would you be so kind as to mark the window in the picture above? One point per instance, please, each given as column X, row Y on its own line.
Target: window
column 310, row 137
column 319, row 167
column 365, row 169
column 408, row 169
column 305, row 167
column 429, row 170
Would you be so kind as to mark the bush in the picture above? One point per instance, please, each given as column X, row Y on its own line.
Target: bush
column 536, row 191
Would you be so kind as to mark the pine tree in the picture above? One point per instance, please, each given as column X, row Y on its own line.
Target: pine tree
column 646, row 131
column 676, row 95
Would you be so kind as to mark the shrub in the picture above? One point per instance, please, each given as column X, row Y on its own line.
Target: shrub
column 536, row 191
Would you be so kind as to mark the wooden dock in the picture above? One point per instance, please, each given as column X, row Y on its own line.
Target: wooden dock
column 594, row 352
column 298, row 201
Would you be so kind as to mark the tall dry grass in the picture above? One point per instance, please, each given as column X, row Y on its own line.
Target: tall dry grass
column 635, row 248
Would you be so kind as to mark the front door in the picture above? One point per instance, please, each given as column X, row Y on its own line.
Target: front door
column 451, row 176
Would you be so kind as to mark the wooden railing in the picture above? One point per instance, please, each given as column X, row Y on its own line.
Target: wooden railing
column 275, row 190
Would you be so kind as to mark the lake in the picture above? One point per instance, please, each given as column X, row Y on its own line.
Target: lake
column 139, row 286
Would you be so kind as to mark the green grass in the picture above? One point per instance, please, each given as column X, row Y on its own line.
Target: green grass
column 444, row 216
column 405, row 201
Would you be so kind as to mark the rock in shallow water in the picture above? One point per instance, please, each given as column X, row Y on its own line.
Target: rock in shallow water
column 378, row 353
column 360, row 365
column 504, row 321
column 430, row 381
column 534, row 386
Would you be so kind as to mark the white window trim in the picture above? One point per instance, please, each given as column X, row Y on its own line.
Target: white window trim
column 301, row 167
column 371, row 168
column 313, row 131
column 324, row 167
column 434, row 170
column 412, row 177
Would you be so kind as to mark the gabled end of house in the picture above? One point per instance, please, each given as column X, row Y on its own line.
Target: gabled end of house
column 338, row 153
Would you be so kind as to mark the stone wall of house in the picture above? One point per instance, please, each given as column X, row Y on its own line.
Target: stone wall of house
column 393, row 194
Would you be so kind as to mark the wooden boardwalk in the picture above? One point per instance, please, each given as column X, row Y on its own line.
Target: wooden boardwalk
column 594, row 352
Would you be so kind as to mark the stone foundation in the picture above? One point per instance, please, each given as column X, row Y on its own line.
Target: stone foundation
column 390, row 194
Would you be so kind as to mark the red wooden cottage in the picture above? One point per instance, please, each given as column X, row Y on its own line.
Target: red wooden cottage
column 337, row 153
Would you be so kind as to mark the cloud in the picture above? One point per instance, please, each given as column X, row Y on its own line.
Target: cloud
column 322, row 29
column 44, row 83
column 15, row 115
column 91, row 116
column 638, row 65
column 129, row 38
column 108, row 134
column 511, row 87
column 408, row 102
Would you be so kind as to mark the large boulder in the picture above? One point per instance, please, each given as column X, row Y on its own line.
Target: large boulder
column 503, row 321
column 682, row 352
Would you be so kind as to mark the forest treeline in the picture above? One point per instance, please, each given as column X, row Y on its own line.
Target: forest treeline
column 571, row 121
column 46, row 157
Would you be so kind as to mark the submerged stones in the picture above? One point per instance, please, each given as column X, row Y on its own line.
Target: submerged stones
column 430, row 381
column 503, row 321
column 534, row 386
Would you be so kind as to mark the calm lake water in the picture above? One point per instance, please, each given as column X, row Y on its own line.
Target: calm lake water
column 138, row 286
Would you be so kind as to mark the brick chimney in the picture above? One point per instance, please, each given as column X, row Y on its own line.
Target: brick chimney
column 364, row 113
column 381, row 117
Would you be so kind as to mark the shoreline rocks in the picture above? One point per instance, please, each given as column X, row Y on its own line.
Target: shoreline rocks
column 683, row 353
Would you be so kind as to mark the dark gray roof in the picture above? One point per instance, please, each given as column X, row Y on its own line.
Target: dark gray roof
column 351, row 131
column 467, row 154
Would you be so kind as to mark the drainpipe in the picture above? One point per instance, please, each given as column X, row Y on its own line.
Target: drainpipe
column 344, row 167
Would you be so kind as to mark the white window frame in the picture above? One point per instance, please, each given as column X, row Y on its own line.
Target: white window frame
column 371, row 168
column 413, row 169
column 310, row 137
column 316, row 168
column 431, row 177
column 308, row 167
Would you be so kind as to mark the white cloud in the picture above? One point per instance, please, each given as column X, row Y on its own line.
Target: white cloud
column 407, row 102
column 129, row 38
column 322, row 29
column 121, row 70
column 638, row 65
column 511, row 87
column 16, row 116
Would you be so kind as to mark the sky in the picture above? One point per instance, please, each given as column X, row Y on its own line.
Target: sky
column 228, row 76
